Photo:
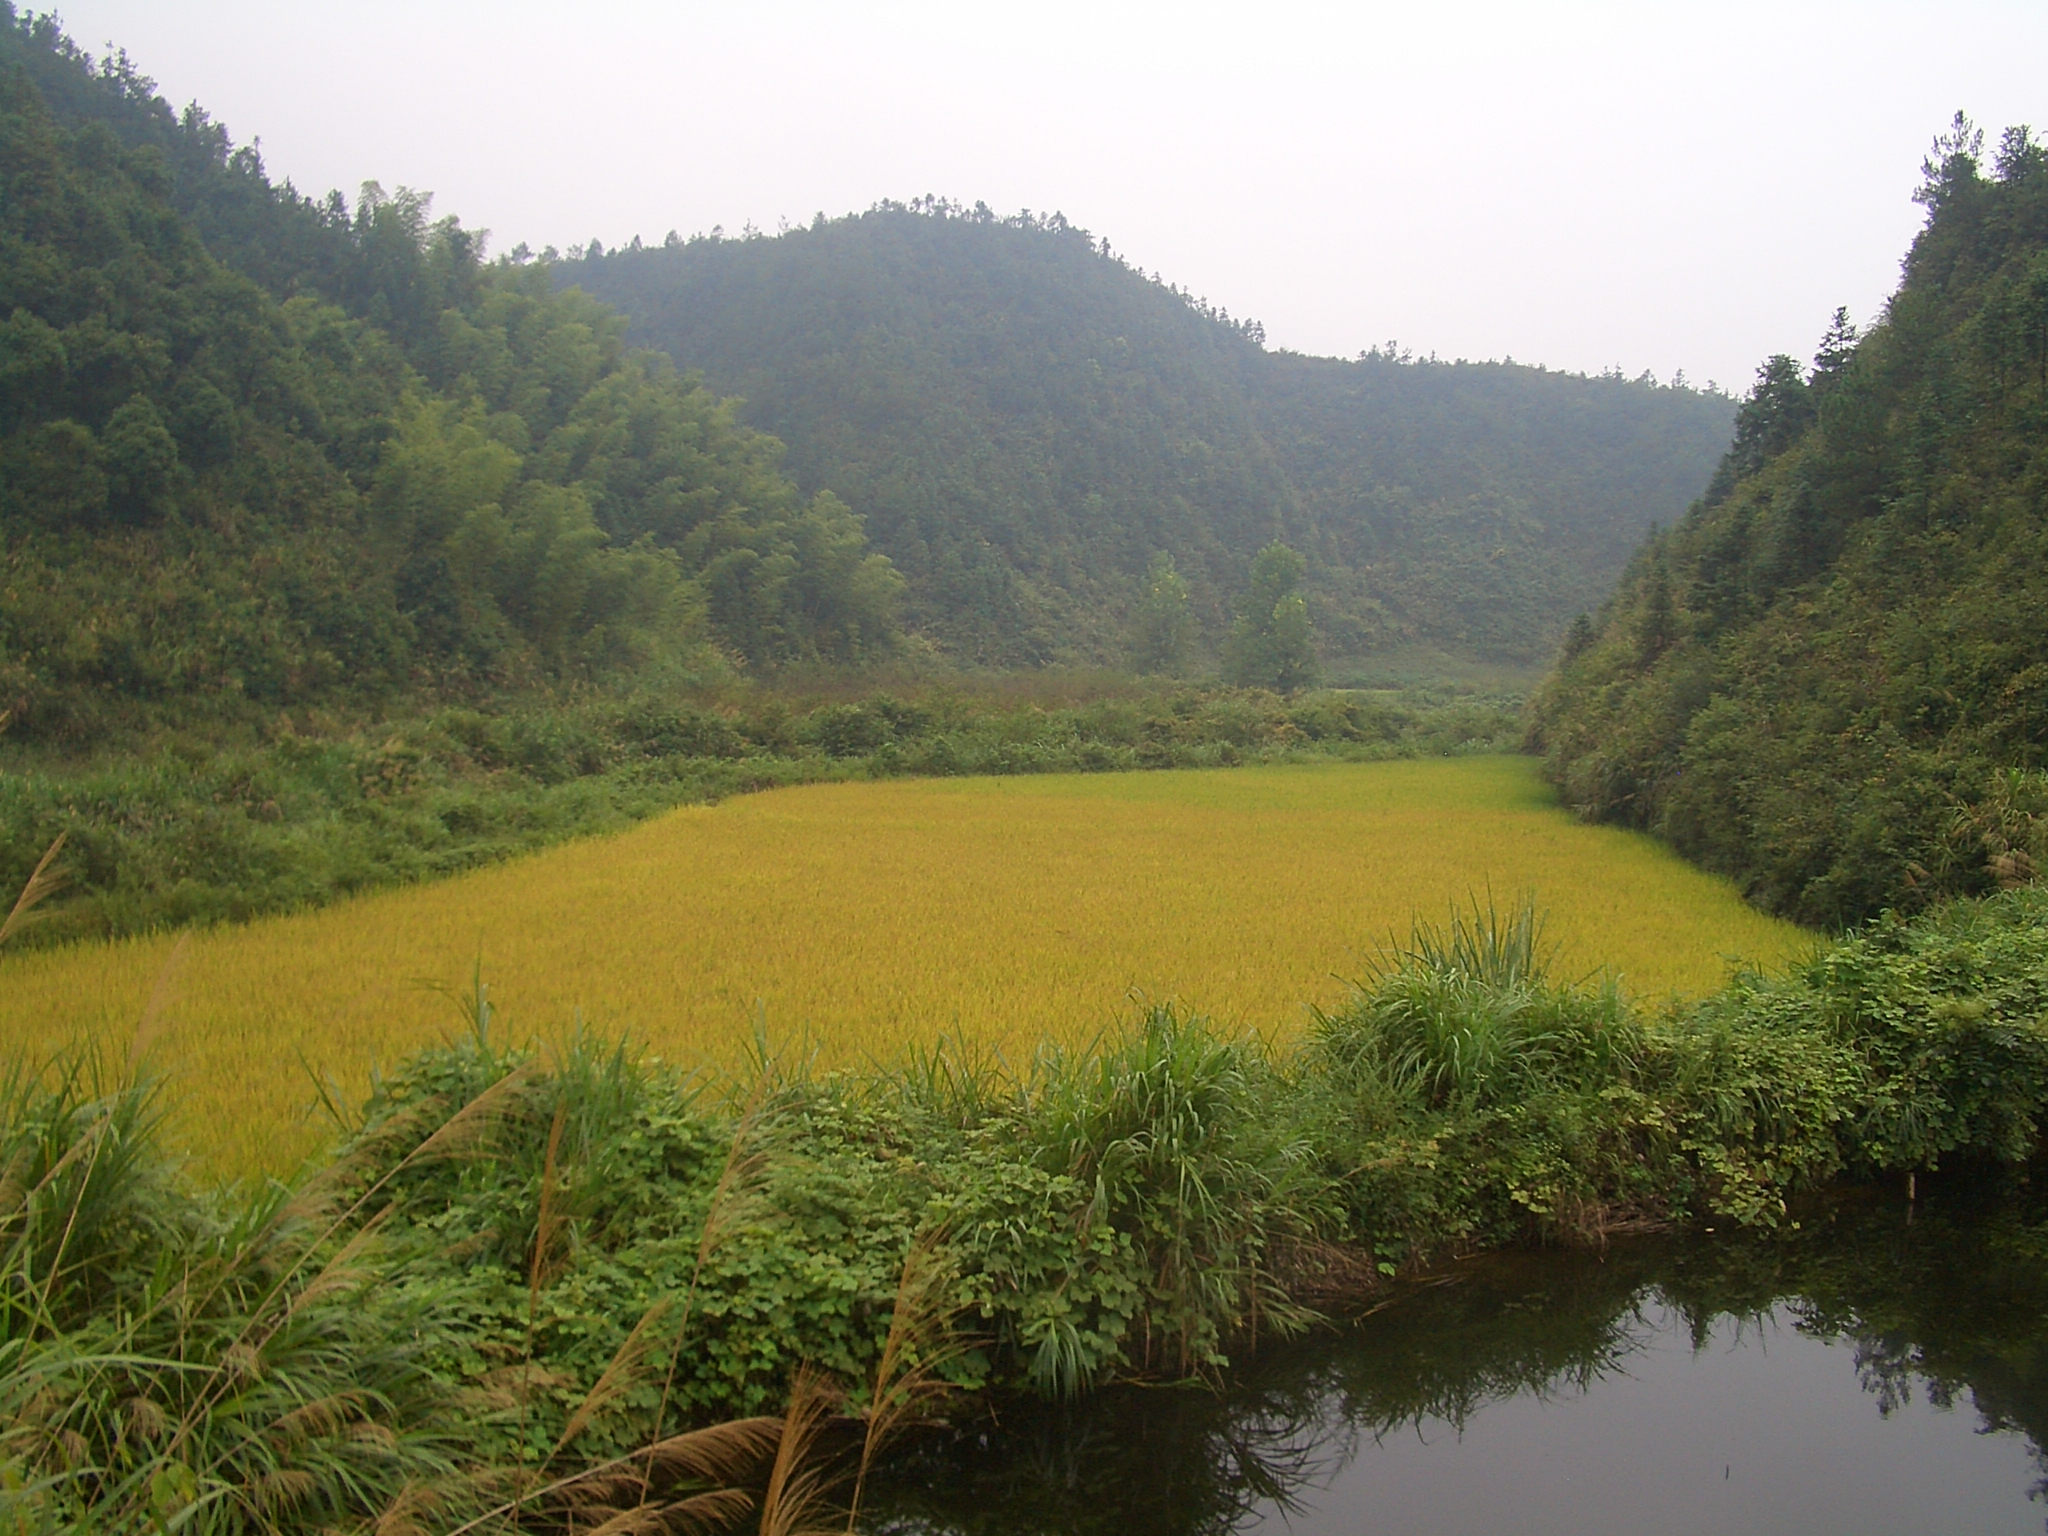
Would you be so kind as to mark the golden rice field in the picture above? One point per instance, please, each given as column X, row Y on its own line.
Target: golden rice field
column 872, row 915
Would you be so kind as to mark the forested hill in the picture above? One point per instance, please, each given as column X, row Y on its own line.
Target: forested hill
column 257, row 450
column 1024, row 420
column 1830, row 679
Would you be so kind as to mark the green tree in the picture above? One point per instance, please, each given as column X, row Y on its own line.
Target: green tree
column 1163, row 632
column 1271, row 644
column 1837, row 347
column 1657, row 625
column 1023, row 420
column 1578, row 638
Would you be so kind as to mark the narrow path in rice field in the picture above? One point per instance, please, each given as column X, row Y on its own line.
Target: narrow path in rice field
column 865, row 917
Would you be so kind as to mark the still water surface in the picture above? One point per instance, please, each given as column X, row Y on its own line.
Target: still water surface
column 1876, row 1371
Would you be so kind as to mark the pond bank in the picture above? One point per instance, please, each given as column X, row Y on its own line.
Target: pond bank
column 1879, row 1370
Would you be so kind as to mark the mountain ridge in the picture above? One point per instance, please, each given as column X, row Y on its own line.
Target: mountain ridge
column 1829, row 680
column 1024, row 420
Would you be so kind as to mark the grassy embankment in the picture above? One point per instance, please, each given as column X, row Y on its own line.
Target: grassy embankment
column 871, row 919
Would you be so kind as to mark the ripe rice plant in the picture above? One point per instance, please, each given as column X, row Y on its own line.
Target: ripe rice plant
column 874, row 918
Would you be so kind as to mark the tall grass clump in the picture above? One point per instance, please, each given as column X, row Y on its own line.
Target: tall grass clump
column 171, row 1362
column 292, row 1358
column 1466, row 1010
column 1462, row 1095
column 1168, row 1131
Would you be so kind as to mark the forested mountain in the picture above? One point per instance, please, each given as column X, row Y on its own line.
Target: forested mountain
column 259, row 448
column 1830, row 679
column 1025, row 421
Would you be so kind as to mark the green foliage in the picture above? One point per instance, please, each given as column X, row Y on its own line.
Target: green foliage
column 1939, row 1301
column 1026, row 422
column 1163, row 629
column 1474, row 1097
column 259, row 452
column 523, row 1265
column 1162, row 1131
column 1270, row 645
column 1826, row 681
column 168, row 1362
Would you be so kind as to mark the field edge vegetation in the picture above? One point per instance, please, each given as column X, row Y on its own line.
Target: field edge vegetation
column 186, row 828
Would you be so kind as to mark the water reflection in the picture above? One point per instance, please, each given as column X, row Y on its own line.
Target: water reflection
column 1876, row 1370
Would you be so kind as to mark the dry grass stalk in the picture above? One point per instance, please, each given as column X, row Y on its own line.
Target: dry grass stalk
column 14, row 1190
column 43, row 881
column 551, row 1221
column 797, row 1497
column 460, row 1132
column 544, row 1231
column 461, row 1129
column 718, row 1510
column 320, row 1419
column 340, row 1272
column 721, row 1453
column 728, row 1196
column 618, row 1376
column 408, row 1511
column 95, row 1134
column 639, row 1520
column 919, row 1342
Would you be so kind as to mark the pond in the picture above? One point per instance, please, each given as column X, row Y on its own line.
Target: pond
column 1880, row 1368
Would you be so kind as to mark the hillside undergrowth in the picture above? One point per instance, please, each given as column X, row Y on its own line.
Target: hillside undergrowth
column 1828, row 681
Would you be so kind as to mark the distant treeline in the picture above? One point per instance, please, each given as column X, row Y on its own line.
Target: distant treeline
column 1025, row 421
column 1830, row 679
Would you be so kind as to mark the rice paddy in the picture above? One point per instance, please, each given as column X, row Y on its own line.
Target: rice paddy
column 858, row 919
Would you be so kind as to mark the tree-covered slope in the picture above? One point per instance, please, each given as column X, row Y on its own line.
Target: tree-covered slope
column 324, row 452
column 1830, row 678
column 1025, row 421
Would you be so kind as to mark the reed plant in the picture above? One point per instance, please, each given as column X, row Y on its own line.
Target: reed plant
column 1170, row 1129
column 1466, row 1010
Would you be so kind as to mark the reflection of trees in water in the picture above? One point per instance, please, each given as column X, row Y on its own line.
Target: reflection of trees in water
column 1954, row 1307
column 1949, row 1306
column 1167, row 1462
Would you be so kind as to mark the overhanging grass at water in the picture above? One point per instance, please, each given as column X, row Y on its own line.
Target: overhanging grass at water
column 873, row 918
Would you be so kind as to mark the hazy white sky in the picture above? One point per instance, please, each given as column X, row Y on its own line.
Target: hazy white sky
column 1656, row 186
